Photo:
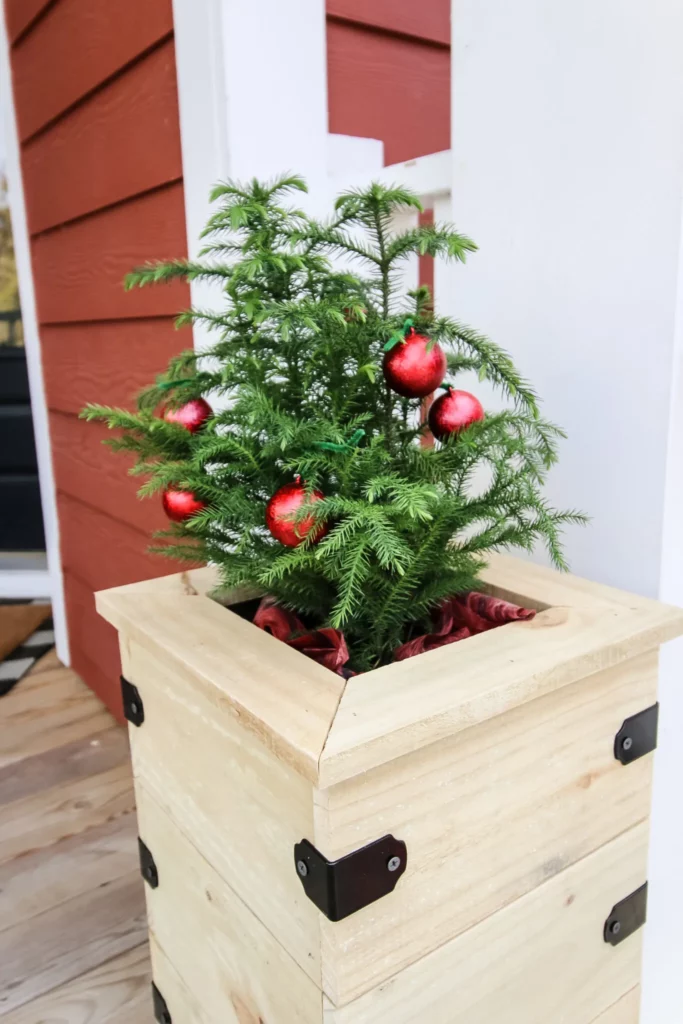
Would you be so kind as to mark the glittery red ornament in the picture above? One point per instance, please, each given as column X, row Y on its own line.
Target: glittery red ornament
column 281, row 508
column 180, row 505
column 454, row 411
column 411, row 369
column 193, row 415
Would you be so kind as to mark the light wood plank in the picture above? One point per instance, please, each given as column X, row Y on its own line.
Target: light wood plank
column 538, row 586
column 42, row 879
column 182, row 1004
column 486, row 818
column 626, row 1011
column 52, row 815
column 117, row 992
column 243, row 807
column 234, row 967
column 65, row 942
column 188, row 583
column 545, row 950
column 48, row 709
column 287, row 700
column 17, row 622
column 460, row 685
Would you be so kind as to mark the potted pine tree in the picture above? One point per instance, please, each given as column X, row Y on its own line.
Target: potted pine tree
column 383, row 771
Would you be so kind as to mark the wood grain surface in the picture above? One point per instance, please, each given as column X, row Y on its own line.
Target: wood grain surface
column 626, row 1011
column 79, row 269
column 546, row 951
column 545, row 774
column 284, row 700
column 19, row 15
column 72, row 928
column 77, row 153
column 248, row 976
column 390, row 88
column 96, row 104
column 89, row 471
column 50, row 700
column 116, row 992
column 105, row 552
column 584, row 628
column 430, row 20
column 128, row 354
column 94, row 39
column 94, row 645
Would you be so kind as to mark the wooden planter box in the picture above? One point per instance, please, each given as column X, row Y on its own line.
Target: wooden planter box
column 507, row 777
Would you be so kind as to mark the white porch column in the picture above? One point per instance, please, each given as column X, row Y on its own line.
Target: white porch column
column 568, row 172
column 252, row 87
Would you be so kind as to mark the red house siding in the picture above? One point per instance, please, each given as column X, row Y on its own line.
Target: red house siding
column 97, row 113
column 389, row 68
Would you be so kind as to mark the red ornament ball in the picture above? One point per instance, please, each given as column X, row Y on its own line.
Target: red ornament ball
column 411, row 370
column 181, row 505
column 283, row 505
column 193, row 415
column 454, row 411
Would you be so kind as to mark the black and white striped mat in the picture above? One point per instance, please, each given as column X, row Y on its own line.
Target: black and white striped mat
column 22, row 659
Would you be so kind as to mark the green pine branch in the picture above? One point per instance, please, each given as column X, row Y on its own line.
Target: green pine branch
column 303, row 311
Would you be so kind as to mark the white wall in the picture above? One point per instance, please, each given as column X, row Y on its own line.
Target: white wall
column 568, row 172
column 568, row 167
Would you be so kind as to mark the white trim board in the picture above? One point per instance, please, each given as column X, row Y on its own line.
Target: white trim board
column 31, row 584
column 25, row 584
column 429, row 176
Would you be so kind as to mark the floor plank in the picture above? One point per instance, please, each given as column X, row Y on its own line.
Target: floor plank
column 60, row 766
column 39, row 881
column 76, row 937
column 73, row 931
column 52, row 815
column 117, row 992
column 48, row 708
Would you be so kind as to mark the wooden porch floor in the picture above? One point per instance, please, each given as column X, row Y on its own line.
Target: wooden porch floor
column 72, row 918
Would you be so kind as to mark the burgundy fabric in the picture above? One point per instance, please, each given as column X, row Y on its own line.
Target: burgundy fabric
column 327, row 646
column 465, row 615
column 455, row 619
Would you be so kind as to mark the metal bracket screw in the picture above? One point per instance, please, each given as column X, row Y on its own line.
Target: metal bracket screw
column 133, row 707
column 148, row 868
column 637, row 736
column 162, row 1014
column 626, row 917
column 339, row 888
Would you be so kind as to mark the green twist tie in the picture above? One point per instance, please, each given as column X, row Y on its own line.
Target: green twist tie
column 400, row 335
column 353, row 442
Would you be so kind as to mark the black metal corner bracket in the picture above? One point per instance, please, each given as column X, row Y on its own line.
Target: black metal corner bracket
column 133, row 708
column 637, row 736
column 162, row 1014
column 148, row 868
column 626, row 917
column 340, row 888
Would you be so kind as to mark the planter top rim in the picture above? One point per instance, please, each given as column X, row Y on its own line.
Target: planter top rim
column 330, row 729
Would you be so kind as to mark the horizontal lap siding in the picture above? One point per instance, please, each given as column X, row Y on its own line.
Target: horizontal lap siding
column 97, row 112
column 389, row 73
